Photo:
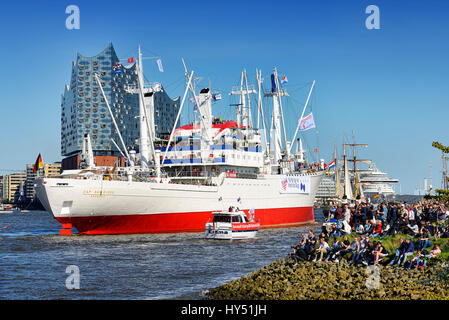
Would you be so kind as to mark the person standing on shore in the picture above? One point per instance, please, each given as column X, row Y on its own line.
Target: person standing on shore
column 392, row 217
column 347, row 213
column 339, row 217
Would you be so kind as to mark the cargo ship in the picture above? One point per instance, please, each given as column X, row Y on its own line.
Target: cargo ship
column 174, row 185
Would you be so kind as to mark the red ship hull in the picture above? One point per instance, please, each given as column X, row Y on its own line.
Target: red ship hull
column 182, row 222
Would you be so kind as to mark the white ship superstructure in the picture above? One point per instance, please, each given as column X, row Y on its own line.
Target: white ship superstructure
column 174, row 185
column 377, row 182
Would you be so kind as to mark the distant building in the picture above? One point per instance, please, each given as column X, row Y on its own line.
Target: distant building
column 52, row 169
column 11, row 186
column 1, row 188
column 327, row 188
column 84, row 110
column 48, row 170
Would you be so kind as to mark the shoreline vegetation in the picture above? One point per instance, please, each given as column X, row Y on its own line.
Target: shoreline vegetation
column 286, row 279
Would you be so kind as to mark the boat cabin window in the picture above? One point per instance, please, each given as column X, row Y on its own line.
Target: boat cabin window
column 236, row 219
column 222, row 219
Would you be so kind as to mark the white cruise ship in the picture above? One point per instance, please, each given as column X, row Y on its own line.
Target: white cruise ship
column 377, row 182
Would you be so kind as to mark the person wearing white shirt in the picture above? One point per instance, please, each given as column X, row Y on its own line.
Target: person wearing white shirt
column 322, row 249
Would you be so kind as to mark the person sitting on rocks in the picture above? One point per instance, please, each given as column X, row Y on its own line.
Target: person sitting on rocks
column 344, row 249
column 292, row 254
column 364, row 240
column 359, row 228
column 409, row 248
column 336, row 246
column 367, row 256
column 399, row 251
column 379, row 252
column 415, row 262
column 367, row 227
column 355, row 248
column 423, row 241
column 322, row 250
column 311, row 243
column 401, row 226
column 299, row 251
column 377, row 229
column 433, row 253
column 334, row 231
column 324, row 230
column 445, row 233
column 323, row 234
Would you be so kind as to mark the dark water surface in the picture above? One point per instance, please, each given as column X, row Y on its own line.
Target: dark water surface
column 34, row 258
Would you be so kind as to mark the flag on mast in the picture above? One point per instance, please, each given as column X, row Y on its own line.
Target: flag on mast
column 306, row 123
column 159, row 65
column 131, row 60
column 38, row 164
column 284, row 80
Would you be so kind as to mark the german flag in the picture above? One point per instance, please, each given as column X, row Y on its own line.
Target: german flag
column 39, row 164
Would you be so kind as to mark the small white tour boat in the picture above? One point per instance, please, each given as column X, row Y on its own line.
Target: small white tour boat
column 227, row 225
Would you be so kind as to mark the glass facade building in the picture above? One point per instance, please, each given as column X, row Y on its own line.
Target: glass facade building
column 84, row 110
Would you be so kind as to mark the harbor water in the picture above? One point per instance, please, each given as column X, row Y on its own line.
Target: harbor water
column 36, row 261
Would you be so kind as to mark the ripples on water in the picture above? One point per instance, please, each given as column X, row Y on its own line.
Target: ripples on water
column 34, row 258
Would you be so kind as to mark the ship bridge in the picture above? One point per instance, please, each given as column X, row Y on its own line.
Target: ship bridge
column 231, row 145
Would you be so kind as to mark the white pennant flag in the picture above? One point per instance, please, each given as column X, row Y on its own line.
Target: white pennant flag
column 307, row 123
column 159, row 65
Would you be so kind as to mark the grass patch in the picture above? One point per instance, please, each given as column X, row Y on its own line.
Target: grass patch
column 391, row 243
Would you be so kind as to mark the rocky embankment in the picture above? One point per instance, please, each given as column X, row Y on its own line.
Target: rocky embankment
column 285, row 280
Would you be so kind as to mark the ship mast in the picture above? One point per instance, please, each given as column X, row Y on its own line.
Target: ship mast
column 243, row 113
column 347, row 191
column 147, row 133
column 144, row 130
column 338, row 190
column 358, row 191
column 276, row 115
column 260, row 109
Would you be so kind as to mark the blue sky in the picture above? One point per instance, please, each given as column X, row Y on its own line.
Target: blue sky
column 390, row 86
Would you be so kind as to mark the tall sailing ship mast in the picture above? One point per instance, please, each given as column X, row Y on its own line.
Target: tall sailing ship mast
column 356, row 186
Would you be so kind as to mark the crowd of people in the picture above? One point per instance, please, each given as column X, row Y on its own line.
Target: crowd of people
column 368, row 224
